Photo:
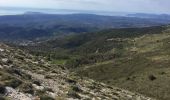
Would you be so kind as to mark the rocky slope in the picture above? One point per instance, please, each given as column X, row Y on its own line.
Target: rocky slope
column 26, row 77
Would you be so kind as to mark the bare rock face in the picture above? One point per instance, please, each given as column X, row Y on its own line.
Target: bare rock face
column 38, row 87
column 16, row 95
column 1, row 67
column 1, row 50
column 34, row 81
column 5, row 60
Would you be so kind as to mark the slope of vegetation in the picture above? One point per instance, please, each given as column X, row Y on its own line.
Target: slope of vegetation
column 136, row 59
column 106, row 43
column 27, row 77
column 143, row 66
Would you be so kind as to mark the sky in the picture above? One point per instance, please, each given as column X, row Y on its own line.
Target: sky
column 140, row 6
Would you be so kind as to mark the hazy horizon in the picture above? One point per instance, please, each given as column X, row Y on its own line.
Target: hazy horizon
column 88, row 6
column 22, row 10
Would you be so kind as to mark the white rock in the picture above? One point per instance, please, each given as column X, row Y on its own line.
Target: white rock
column 35, row 62
column 6, row 66
column 38, row 87
column 2, row 50
column 5, row 60
column 9, row 90
column 52, row 94
column 1, row 67
column 15, row 95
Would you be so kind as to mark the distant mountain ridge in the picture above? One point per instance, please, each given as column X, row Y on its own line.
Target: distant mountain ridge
column 35, row 25
column 144, row 15
column 21, row 10
column 32, row 13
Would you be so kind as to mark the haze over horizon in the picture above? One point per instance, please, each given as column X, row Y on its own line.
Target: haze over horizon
column 137, row 6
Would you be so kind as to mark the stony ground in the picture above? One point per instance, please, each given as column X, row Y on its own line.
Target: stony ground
column 25, row 77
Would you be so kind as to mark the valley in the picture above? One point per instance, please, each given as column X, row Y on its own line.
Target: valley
column 136, row 59
column 84, row 57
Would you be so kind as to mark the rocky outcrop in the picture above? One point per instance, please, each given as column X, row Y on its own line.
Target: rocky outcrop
column 16, row 95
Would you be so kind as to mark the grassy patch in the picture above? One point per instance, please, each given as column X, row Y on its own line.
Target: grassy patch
column 59, row 61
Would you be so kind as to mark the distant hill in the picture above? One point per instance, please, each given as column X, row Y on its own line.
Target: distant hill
column 37, row 25
column 90, row 20
column 156, row 16
column 32, row 13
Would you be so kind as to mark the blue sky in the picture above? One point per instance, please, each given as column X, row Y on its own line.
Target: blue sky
column 143, row 6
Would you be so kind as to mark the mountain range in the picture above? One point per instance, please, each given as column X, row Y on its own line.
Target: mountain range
column 34, row 25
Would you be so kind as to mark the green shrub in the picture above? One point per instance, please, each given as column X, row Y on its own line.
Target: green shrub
column 27, row 88
column 48, row 76
column 73, row 94
column 37, row 83
column 2, row 89
column 152, row 77
column 2, row 98
column 14, row 83
column 45, row 97
column 76, row 89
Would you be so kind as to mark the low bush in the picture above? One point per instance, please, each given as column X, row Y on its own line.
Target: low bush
column 2, row 89
column 45, row 97
column 152, row 77
column 14, row 83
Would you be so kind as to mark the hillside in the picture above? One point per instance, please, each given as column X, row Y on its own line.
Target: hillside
column 26, row 77
column 142, row 67
column 136, row 59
